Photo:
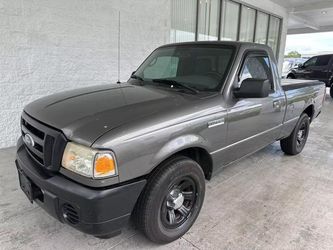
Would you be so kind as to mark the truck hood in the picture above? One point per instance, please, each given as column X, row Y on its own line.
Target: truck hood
column 85, row 114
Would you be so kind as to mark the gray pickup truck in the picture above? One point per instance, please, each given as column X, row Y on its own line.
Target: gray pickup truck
column 97, row 156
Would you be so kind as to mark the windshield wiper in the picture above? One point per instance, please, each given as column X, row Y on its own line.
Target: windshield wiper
column 176, row 84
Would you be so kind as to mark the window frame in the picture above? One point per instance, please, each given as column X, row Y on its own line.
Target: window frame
column 246, row 55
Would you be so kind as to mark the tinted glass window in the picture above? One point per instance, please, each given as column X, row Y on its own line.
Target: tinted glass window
column 248, row 17
column 229, row 22
column 311, row 62
column 273, row 34
column 208, row 19
column 162, row 67
column 201, row 67
column 183, row 20
column 261, row 28
column 323, row 60
column 256, row 67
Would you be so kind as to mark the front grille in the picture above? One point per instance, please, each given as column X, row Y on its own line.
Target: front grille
column 44, row 144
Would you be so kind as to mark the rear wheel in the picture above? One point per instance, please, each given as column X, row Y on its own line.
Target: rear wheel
column 294, row 143
column 171, row 201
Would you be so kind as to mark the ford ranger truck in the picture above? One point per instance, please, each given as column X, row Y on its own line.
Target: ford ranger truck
column 95, row 157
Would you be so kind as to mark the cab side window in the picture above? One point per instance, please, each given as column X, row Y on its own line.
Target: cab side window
column 323, row 60
column 256, row 67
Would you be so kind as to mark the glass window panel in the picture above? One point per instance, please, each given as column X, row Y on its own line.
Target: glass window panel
column 261, row 29
column 201, row 67
column 311, row 62
column 229, row 22
column 273, row 33
column 208, row 21
column 323, row 60
column 183, row 20
column 162, row 67
column 256, row 67
column 248, row 17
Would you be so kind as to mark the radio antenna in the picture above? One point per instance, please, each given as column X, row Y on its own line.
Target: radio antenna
column 118, row 48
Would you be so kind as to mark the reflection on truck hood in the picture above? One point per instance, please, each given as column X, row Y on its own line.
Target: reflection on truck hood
column 86, row 114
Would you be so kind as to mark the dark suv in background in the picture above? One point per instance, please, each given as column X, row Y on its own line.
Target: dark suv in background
column 316, row 68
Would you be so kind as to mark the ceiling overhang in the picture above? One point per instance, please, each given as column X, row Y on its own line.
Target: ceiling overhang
column 308, row 16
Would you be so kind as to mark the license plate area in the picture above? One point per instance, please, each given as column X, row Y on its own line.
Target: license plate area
column 29, row 188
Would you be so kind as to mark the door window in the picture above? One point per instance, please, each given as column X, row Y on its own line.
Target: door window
column 256, row 67
column 323, row 60
column 311, row 62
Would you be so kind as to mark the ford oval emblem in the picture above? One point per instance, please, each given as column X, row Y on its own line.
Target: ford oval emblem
column 29, row 140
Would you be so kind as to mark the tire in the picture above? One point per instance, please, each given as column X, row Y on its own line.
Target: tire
column 331, row 91
column 291, row 77
column 294, row 143
column 171, row 201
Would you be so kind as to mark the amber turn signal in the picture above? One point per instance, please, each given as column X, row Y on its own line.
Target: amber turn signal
column 104, row 165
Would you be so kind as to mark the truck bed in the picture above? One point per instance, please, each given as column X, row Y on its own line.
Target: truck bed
column 291, row 84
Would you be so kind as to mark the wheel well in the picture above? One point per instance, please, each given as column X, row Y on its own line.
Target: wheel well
column 309, row 111
column 200, row 155
column 291, row 74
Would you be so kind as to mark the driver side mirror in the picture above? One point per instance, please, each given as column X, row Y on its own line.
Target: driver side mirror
column 133, row 73
column 300, row 65
column 253, row 88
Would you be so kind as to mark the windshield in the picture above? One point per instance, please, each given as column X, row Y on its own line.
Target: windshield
column 200, row 67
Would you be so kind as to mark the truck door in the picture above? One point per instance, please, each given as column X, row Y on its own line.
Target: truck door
column 254, row 123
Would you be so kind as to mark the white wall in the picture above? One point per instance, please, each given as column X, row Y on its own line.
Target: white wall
column 48, row 46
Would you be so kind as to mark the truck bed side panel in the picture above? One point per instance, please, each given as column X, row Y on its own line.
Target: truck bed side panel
column 300, row 95
column 293, row 84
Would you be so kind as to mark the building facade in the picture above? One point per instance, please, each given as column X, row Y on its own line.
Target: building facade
column 229, row 20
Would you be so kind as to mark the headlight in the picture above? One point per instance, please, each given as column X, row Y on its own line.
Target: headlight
column 89, row 162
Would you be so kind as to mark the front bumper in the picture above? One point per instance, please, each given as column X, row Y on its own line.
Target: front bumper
column 97, row 211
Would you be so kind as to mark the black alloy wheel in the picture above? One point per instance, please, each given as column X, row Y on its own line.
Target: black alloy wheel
column 179, row 202
column 171, row 200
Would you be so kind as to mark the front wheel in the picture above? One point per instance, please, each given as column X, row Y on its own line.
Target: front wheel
column 171, row 201
column 294, row 143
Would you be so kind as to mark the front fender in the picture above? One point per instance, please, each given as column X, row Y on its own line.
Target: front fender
column 178, row 144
